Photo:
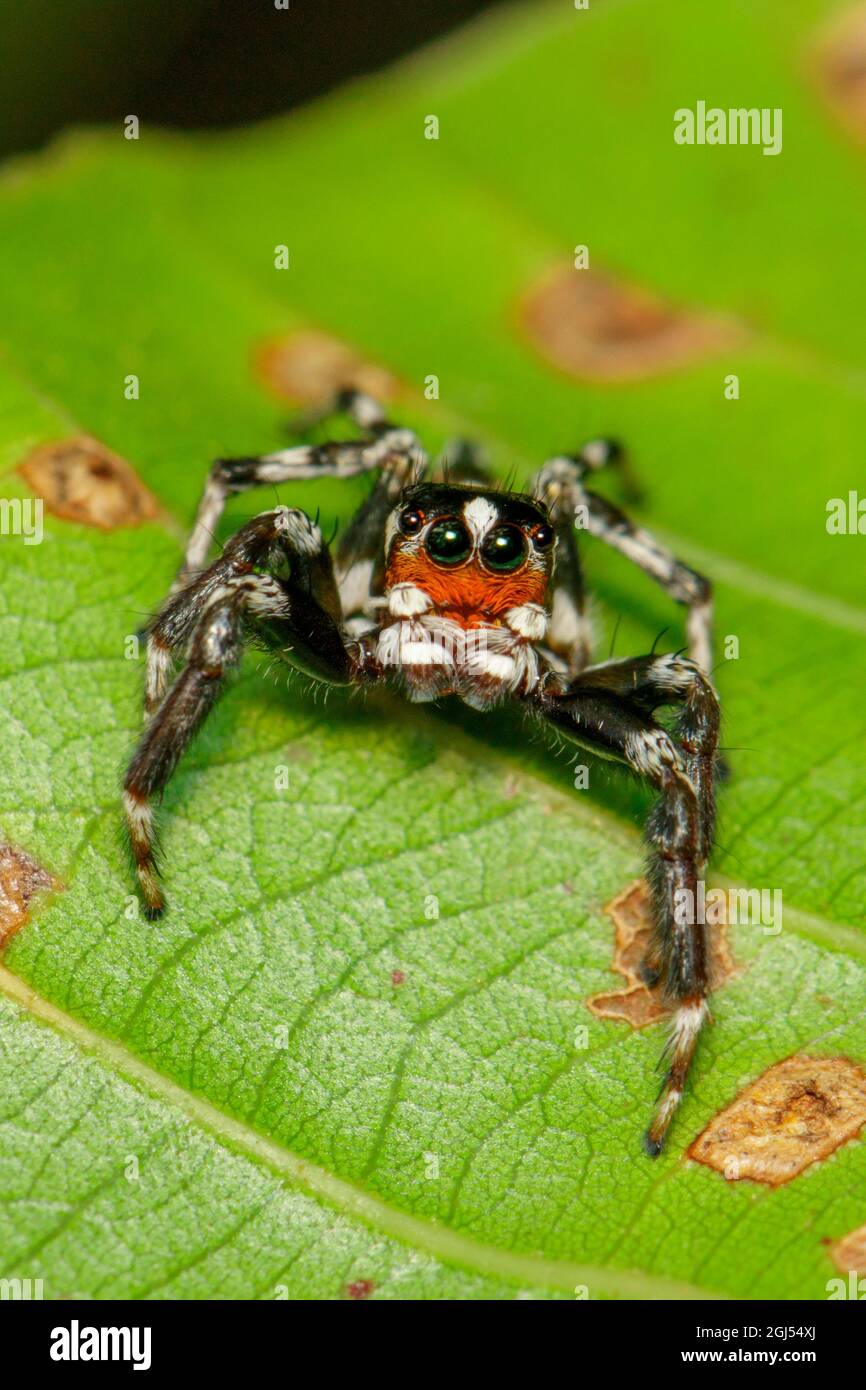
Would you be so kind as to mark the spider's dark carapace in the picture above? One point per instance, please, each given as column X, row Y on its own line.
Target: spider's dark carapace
column 450, row 587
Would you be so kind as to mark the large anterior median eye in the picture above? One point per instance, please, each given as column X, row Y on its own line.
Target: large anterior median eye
column 449, row 542
column 504, row 549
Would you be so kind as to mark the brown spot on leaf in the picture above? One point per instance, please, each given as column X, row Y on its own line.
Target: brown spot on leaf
column 841, row 67
column 398, row 977
column 21, row 878
column 597, row 328
column 850, row 1252
column 635, row 1003
column 309, row 367
column 360, row 1289
column 796, row 1114
column 81, row 480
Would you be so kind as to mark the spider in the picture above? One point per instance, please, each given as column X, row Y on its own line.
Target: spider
column 450, row 586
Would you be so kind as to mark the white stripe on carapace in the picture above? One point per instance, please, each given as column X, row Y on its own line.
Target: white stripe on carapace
column 480, row 516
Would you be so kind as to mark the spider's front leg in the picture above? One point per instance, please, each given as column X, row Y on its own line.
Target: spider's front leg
column 335, row 458
column 609, row 710
column 296, row 613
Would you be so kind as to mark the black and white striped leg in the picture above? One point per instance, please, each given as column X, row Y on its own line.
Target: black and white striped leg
column 231, row 608
column 363, row 410
column 684, row 584
column 597, row 454
column 570, row 634
column 562, row 478
column 338, row 459
column 649, row 683
column 609, row 710
column 361, row 548
column 283, row 540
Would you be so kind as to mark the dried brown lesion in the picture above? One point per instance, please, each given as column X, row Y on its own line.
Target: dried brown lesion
column 797, row 1113
column 309, row 367
column 79, row 479
column 849, row 1253
column 635, row 1002
column 21, row 879
column 839, row 59
column 599, row 328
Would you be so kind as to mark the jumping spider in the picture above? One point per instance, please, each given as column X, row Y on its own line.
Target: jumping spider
column 449, row 588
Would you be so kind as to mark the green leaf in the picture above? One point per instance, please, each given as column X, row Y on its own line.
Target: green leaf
column 246, row 1099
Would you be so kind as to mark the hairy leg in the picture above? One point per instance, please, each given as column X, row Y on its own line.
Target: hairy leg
column 296, row 616
column 283, row 540
column 569, row 634
column 563, row 478
column 339, row 459
column 609, row 710
column 361, row 548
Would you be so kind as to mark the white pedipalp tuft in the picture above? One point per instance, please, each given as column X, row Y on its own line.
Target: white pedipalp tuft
column 528, row 620
column 408, row 601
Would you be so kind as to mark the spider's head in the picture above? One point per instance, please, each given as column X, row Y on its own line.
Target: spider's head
column 475, row 553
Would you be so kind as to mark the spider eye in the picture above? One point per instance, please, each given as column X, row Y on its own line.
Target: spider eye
column 504, row 549
column 411, row 521
column 449, row 542
column 542, row 536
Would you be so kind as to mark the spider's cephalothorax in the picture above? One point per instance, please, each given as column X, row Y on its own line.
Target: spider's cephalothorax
column 450, row 588
column 466, row 574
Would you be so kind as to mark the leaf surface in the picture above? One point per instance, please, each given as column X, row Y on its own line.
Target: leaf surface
column 351, row 1051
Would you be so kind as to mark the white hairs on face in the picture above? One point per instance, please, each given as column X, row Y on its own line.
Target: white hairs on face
column 480, row 516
